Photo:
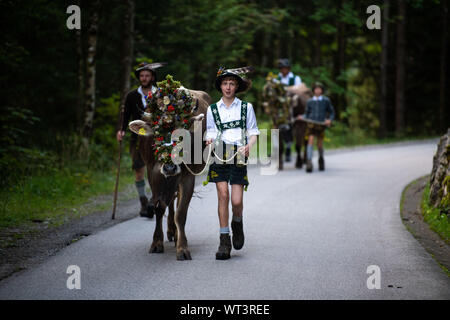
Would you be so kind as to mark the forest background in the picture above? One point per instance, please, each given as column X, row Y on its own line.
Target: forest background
column 62, row 89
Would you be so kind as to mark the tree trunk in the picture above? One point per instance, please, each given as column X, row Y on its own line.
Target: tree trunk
column 318, row 50
column 127, row 53
column 89, row 91
column 442, row 89
column 400, row 62
column 81, row 69
column 384, row 68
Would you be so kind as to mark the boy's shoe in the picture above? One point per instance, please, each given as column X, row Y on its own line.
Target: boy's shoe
column 321, row 164
column 223, row 253
column 309, row 166
column 238, row 234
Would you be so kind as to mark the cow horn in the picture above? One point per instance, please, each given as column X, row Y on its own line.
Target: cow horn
column 140, row 128
column 197, row 117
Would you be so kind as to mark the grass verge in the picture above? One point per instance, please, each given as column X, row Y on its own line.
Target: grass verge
column 438, row 221
column 58, row 196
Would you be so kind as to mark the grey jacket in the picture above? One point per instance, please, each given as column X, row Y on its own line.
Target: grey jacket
column 317, row 109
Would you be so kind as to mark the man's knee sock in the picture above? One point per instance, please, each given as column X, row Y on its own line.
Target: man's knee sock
column 321, row 152
column 140, row 186
column 309, row 152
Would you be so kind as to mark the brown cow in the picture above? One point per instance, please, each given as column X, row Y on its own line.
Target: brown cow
column 299, row 97
column 293, row 100
column 170, row 181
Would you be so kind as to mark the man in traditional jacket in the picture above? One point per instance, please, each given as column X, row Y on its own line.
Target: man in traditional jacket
column 287, row 78
column 231, row 125
column 135, row 104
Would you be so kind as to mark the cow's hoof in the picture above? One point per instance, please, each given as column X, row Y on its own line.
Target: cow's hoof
column 156, row 248
column 183, row 254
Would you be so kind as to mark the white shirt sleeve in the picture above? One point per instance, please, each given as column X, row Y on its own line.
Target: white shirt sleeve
column 298, row 81
column 211, row 129
column 252, row 126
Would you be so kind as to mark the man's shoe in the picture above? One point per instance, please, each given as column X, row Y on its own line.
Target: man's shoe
column 321, row 164
column 299, row 162
column 223, row 253
column 309, row 166
column 144, row 204
column 238, row 234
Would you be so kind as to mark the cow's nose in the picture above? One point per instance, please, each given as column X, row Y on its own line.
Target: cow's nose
column 170, row 169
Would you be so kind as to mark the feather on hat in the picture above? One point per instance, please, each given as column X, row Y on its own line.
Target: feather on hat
column 239, row 73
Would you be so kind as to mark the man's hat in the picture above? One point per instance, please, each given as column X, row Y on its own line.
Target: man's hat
column 239, row 73
column 284, row 63
column 149, row 67
column 318, row 84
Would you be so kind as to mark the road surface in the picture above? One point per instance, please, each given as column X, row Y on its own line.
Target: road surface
column 308, row 236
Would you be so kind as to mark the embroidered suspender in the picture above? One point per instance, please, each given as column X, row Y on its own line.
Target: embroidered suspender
column 291, row 80
column 242, row 123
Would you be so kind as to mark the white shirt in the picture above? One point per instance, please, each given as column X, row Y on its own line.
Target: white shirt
column 144, row 102
column 227, row 114
column 318, row 99
column 285, row 80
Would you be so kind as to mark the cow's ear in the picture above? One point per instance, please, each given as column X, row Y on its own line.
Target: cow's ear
column 140, row 128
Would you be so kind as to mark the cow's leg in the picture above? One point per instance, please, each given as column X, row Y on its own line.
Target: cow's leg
column 158, row 236
column 171, row 226
column 299, row 141
column 184, row 198
column 280, row 151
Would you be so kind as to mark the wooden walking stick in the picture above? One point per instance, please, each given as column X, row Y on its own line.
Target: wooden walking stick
column 118, row 165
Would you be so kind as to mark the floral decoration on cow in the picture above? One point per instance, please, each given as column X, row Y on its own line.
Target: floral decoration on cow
column 276, row 101
column 170, row 107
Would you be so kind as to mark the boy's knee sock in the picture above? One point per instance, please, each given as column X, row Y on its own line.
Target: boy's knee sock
column 225, row 230
column 309, row 152
column 140, row 186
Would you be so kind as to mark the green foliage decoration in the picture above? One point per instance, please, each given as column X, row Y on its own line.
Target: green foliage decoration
column 169, row 108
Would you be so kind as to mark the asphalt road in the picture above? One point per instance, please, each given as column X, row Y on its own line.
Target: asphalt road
column 308, row 236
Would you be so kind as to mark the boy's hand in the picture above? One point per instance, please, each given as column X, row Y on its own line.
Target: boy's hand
column 208, row 141
column 299, row 117
column 245, row 150
column 328, row 122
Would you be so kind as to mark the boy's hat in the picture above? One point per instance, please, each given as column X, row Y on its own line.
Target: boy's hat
column 284, row 63
column 318, row 84
column 239, row 73
column 149, row 67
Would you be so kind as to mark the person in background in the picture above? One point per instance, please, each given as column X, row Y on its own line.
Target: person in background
column 318, row 109
column 287, row 78
column 135, row 104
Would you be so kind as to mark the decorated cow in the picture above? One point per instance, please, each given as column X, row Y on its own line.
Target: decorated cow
column 170, row 108
column 283, row 104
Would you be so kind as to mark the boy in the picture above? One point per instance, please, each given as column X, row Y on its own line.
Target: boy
column 317, row 109
column 228, row 121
